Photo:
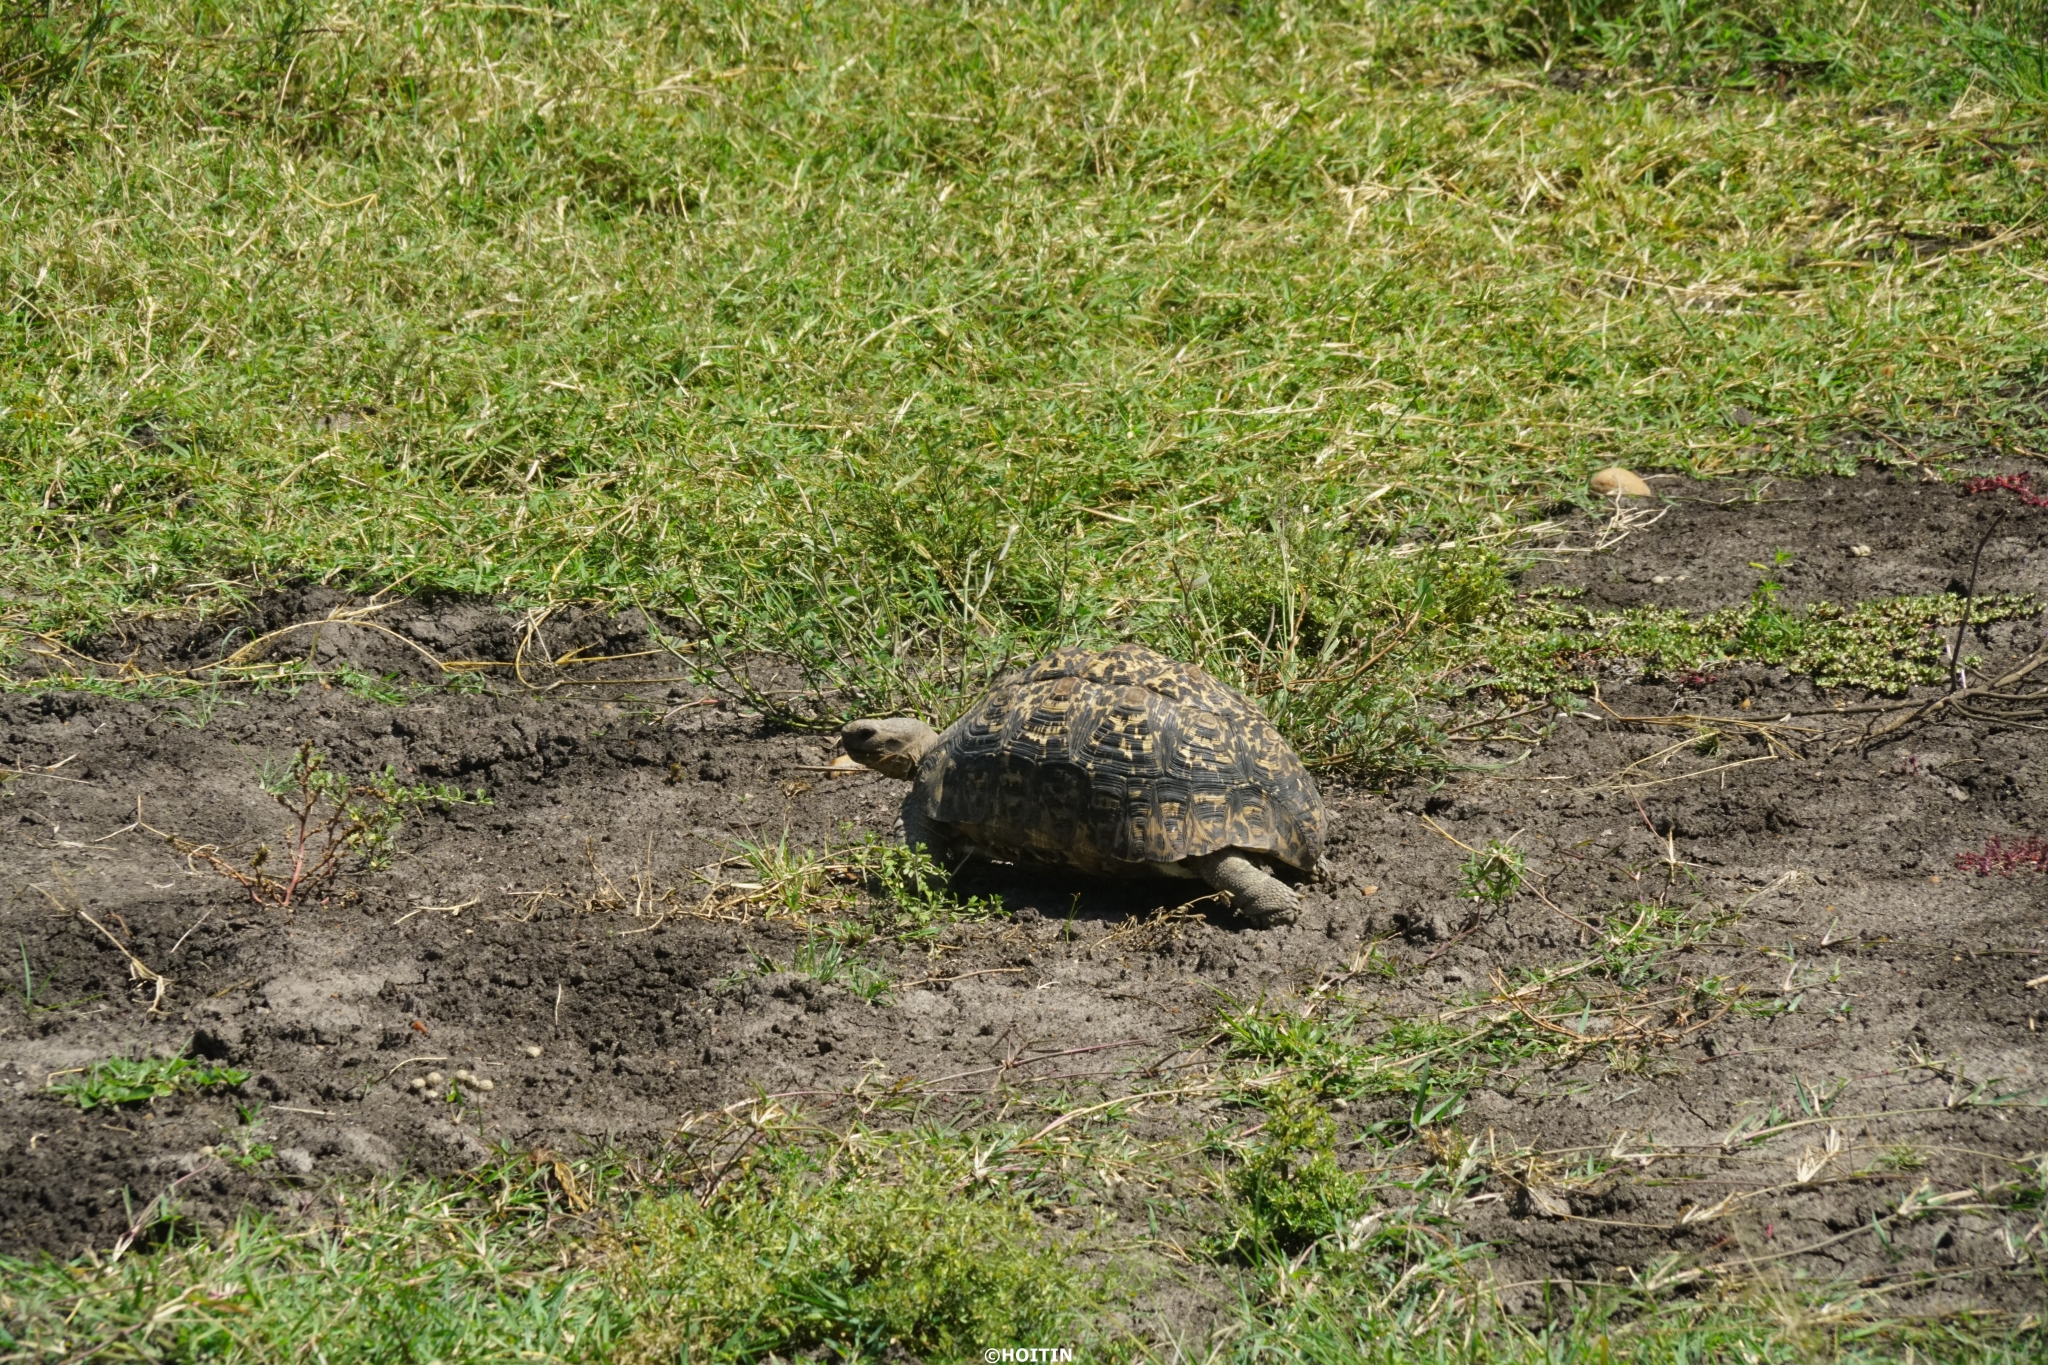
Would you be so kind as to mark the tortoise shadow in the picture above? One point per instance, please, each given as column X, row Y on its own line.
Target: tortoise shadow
column 1057, row 895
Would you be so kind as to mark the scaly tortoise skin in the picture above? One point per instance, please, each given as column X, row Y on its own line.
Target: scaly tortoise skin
column 1119, row 762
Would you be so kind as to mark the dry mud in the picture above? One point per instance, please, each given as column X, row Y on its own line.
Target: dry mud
column 1872, row 973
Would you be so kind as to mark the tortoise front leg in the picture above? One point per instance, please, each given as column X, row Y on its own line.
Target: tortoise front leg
column 916, row 830
column 1255, row 893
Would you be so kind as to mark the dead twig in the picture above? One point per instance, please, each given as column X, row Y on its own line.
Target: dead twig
column 138, row 970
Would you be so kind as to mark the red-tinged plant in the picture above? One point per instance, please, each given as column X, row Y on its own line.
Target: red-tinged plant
column 333, row 819
column 2030, row 853
column 2020, row 485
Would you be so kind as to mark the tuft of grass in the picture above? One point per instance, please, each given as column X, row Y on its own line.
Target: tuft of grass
column 793, row 1259
column 1492, row 875
column 825, row 959
column 28, row 988
column 116, row 1081
column 908, row 342
column 1340, row 1229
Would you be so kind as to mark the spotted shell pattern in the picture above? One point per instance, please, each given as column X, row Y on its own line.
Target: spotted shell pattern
column 1103, row 761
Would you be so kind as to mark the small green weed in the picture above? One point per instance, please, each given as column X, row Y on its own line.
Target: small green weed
column 825, row 960
column 792, row 881
column 1887, row 646
column 28, row 986
column 1635, row 953
column 123, row 1080
column 247, row 1155
column 912, row 895
column 1493, row 874
column 206, row 702
column 1288, row 1191
column 1315, row 1046
column 387, row 689
column 892, row 1255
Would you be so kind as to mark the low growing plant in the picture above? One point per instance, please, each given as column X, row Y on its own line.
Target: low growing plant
column 825, row 960
column 123, row 1080
column 1493, row 874
column 1289, row 1192
column 913, row 894
column 2005, row 859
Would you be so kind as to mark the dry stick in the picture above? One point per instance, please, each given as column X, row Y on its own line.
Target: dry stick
column 1046, row 1057
column 1069, row 1117
column 1734, row 1138
column 1447, row 834
column 189, row 932
column 135, row 1229
column 1763, row 728
column 1702, row 772
column 137, row 969
column 406, row 1063
column 244, row 655
column 533, row 625
column 1922, row 710
column 1955, row 654
column 54, row 777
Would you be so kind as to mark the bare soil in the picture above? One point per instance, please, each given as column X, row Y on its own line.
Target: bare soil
column 1866, row 969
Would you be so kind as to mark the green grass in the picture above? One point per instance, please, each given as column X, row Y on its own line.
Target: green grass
column 907, row 340
column 771, row 1253
column 1344, row 1248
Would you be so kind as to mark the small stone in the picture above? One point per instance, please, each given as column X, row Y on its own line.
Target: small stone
column 435, row 1078
column 1860, row 551
column 531, row 1051
column 1615, row 480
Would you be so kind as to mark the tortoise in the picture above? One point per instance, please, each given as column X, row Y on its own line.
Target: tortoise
column 1121, row 762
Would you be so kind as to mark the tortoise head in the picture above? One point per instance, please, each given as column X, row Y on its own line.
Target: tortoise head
column 891, row 747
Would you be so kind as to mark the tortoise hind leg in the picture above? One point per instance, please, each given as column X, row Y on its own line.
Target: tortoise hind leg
column 1256, row 894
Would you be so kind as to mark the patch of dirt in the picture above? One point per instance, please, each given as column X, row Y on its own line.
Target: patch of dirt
column 1917, row 537
column 1844, row 971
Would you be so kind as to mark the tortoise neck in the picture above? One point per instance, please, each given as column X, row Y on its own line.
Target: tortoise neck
column 915, row 747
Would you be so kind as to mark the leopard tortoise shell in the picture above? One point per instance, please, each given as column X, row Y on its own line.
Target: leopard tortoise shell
column 1115, row 762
